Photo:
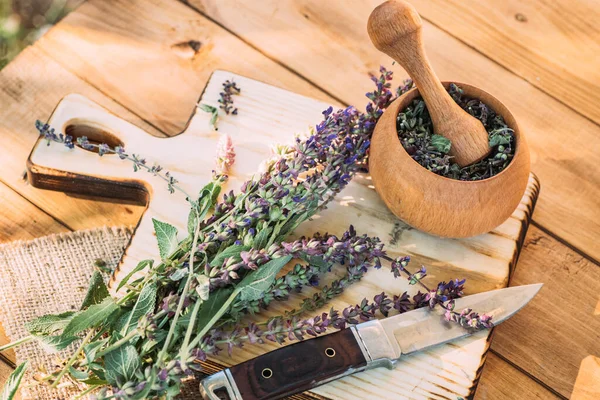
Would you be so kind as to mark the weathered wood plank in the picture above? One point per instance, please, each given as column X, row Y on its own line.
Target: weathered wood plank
column 560, row 327
column 327, row 43
column 554, row 45
column 587, row 385
column 166, row 54
column 21, row 220
column 500, row 380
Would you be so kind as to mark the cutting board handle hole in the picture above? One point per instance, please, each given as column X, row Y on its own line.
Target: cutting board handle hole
column 95, row 134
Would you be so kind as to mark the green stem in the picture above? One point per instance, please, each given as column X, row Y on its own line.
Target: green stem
column 73, row 358
column 118, row 343
column 190, row 329
column 186, row 288
column 17, row 342
column 214, row 319
column 87, row 391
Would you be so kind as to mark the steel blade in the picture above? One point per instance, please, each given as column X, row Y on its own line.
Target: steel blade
column 423, row 328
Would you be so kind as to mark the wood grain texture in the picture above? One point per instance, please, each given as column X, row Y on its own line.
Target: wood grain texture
column 298, row 367
column 395, row 29
column 560, row 328
column 21, row 220
column 484, row 260
column 433, row 203
column 327, row 44
column 587, row 384
column 500, row 380
column 165, row 56
column 554, row 45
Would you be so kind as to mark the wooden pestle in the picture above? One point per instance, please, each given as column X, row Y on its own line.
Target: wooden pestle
column 395, row 29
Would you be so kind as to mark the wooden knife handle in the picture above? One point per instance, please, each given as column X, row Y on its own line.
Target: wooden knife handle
column 299, row 367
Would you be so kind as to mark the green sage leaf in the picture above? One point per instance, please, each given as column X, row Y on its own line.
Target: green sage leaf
column 77, row 374
column 145, row 304
column 212, row 110
column 214, row 307
column 206, row 200
column 141, row 265
column 48, row 324
column 166, row 235
column 13, row 382
column 203, row 287
column 262, row 238
column 53, row 344
column 253, row 286
column 90, row 350
column 179, row 274
column 94, row 316
column 95, row 382
column 319, row 263
column 441, row 143
column 192, row 221
column 97, row 291
column 231, row 251
column 121, row 363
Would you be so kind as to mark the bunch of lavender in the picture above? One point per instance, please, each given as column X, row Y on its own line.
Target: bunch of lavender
column 415, row 130
column 188, row 305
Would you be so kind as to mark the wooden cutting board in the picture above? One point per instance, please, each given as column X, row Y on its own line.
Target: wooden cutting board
column 269, row 115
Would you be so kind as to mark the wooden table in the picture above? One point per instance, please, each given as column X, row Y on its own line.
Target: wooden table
column 148, row 60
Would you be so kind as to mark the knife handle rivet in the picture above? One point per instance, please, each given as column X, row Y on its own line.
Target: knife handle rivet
column 267, row 373
column 329, row 352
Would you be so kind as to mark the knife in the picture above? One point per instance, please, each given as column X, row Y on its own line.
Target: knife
column 373, row 344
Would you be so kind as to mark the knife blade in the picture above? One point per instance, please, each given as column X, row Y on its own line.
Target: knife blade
column 378, row 343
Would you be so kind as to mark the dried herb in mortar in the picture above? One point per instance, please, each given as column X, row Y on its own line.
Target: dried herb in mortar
column 415, row 130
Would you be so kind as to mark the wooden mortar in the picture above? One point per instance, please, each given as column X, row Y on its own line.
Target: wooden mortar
column 423, row 199
column 435, row 204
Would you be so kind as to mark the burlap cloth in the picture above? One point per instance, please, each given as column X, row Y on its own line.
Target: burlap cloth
column 51, row 275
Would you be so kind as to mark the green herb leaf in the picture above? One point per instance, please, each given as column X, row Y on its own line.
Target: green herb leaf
column 498, row 139
column 97, row 291
column 48, row 324
column 141, row 265
column 192, row 221
column 206, row 200
column 214, row 308
column 13, row 382
column 319, row 263
column 262, row 238
column 231, row 251
column 203, row 287
column 53, row 344
column 90, row 350
column 94, row 316
column 441, row 143
column 121, row 364
column 145, row 304
column 77, row 374
column 179, row 274
column 95, row 382
column 166, row 234
column 212, row 110
column 253, row 286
